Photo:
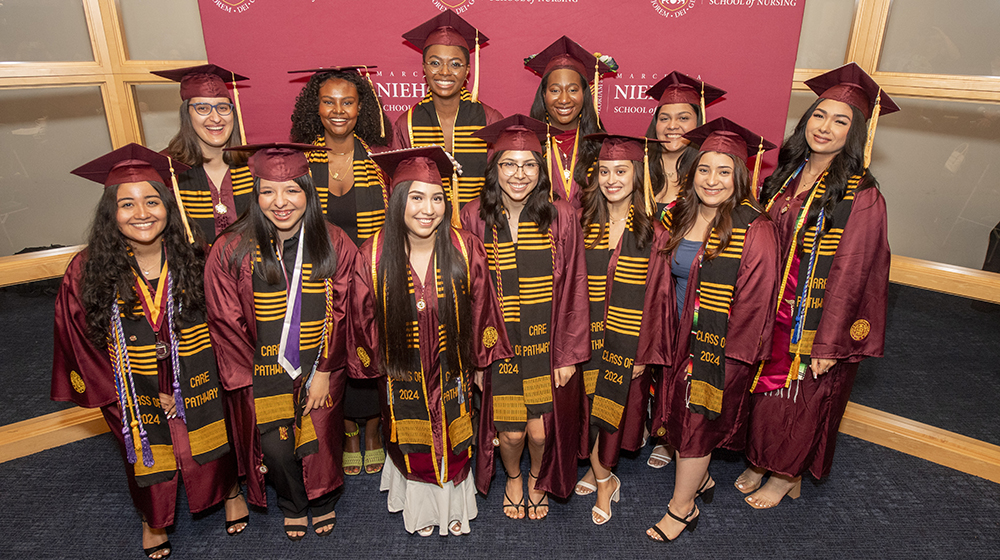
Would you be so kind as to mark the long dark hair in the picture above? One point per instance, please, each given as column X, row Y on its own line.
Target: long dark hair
column 254, row 229
column 685, row 212
column 185, row 146
column 537, row 207
column 849, row 162
column 393, row 305
column 108, row 272
column 307, row 126
column 595, row 209
column 589, row 149
column 658, row 175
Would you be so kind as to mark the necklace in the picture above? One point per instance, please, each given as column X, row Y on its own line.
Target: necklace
column 343, row 167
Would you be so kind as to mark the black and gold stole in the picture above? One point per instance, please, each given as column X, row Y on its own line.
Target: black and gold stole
column 132, row 346
column 409, row 405
column 470, row 152
column 273, row 388
column 814, row 269
column 371, row 196
column 706, row 371
column 197, row 196
column 522, row 276
column 615, row 334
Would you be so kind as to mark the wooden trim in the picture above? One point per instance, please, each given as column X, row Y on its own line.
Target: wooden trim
column 920, row 440
column 946, row 278
column 18, row 269
column 51, row 430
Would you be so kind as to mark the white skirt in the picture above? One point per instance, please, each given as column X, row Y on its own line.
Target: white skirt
column 425, row 505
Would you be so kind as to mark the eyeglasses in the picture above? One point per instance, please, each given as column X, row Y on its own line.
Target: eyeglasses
column 436, row 66
column 509, row 168
column 224, row 109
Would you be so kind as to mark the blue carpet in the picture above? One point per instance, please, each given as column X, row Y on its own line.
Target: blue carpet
column 72, row 502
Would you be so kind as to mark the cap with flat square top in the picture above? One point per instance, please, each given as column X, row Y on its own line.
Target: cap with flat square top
column 206, row 80
column 516, row 132
column 131, row 163
column 278, row 161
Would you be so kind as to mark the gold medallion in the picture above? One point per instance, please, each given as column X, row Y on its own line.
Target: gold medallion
column 860, row 329
column 363, row 356
column 221, row 208
column 490, row 337
column 78, row 385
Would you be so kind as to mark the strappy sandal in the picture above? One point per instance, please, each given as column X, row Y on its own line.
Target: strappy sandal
column 605, row 516
column 455, row 528
column 426, row 531
column 329, row 522
column 507, row 502
column 154, row 549
column 374, row 460
column 352, row 459
column 706, row 494
column 584, row 488
column 661, row 458
column 689, row 525
column 245, row 520
column 533, row 506
column 297, row 528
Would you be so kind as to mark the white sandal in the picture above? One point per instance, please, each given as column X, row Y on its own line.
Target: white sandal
column 606, row 516
column 655, row 456
column 426, row 531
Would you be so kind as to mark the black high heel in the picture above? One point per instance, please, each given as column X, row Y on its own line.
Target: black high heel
column 706, row 494
column 245, row 520
column 689, row 525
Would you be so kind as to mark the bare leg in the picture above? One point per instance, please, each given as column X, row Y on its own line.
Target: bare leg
column 536, row 448
column 154, row 537
column 373, row 436
column 236, row 508
column 604, row 489
column 777, row 486
column 511, row 448
column 692, row 473
column 352, row 444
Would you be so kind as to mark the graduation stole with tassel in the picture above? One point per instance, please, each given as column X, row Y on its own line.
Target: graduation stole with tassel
column 371, row 197
column 425, row 130
column 297, row 347
column 615, row 317
column 814, row 268
column 200, row 202
column 706, row 370
column 409, row 405
column 135, row 354
column 522, row 276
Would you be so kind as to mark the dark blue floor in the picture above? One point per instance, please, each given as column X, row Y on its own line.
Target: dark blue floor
column 72, row 502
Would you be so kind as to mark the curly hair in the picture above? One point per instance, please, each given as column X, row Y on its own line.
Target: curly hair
column 307, row 126
column 108, row 272
column 595, row 208
column 537, row 207
column 185, row 146
column 657, row 174
column 589, row 149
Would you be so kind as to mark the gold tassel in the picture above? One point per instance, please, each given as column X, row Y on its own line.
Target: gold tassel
column 136, row 441
column 475, row 86
column 548, row 147
column 646, row 184
column 871, row 128
column 756, row 167
column 704, row 115
column 456, row 219
column 793, row 371
column 597, row 88
column 239, row 112
column 180, row 203
column 381, row 116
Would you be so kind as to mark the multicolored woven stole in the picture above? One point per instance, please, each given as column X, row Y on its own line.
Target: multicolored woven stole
column 371, row 195
column 616, row 305
column 522, row 276
column 424, row 130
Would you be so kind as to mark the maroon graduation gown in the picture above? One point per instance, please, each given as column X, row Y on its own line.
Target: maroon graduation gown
column 205, row 485
column 485, row 313
column 748, row 337
column 233, row 326
column 795, row 430
column 569, row 346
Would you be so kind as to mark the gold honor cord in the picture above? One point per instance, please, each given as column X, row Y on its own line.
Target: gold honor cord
column 872, row 124
column 566, row 175
column 180, row 201
column 239, row 113
column 475, row 85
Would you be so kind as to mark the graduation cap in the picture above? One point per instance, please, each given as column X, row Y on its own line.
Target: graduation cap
column 567, row 53
column 427, row 164
column 357, row 69
column 516, row 132
column 619, row 147
column 278, row 161
column 449, row 29
column 724, row 136
column 681, row 88
column 133, row 163
column 852, row 85
column 207, row 80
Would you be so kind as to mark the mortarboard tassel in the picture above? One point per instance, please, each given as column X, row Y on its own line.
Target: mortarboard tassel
column 597, row 89
column 647, row 185
column 756, row 167
column 456, row 219
column 871, row 128
column 180, row 203
column 239, row 113
column 548, row 148
column 704, row 115
column 381, row 116
column 475, row 86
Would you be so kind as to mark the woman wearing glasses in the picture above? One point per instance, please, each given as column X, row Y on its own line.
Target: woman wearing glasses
column 535, row 252
column 449, row 114
column 217, row 188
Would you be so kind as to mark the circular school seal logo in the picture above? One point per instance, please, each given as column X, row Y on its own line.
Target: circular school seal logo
column 490, row 337
column 233, row 6
column 78, row 385
column 860, row 329
column 363, row 356
column 458, row 6
column 672, row 8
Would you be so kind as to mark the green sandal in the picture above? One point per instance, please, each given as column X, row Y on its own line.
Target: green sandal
column 374, row 459
column 352, row 459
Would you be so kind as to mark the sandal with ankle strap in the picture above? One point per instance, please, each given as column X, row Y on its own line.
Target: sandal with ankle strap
column 509, row 502
column 606, row 516
column 533, row 506
column 689, row 525
column 352, row 459
column 245, row 519
column 706, row 494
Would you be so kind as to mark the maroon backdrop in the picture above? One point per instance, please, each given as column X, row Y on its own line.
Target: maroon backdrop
column 746, row 47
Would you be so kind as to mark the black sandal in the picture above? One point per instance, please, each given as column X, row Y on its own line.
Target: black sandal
column 296, row 528
column 154, row 549
column 689, row 525
column 509, row 502
column 532, row 506
column 706, row 494
column 245, row 519
column 331, row 522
